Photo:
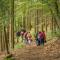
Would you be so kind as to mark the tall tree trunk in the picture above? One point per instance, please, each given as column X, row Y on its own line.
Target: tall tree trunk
column 6, row 40
column 12, row 23
column 46, row 23
column 42, row 25
column 52, row 25
column 1, row 40
column 23, row 21
column 37, row 20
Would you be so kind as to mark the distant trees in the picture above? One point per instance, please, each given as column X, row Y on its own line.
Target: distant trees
column 27, row 14
column 7, row 15
column 55, row 12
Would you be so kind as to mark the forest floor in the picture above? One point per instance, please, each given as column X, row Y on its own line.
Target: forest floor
column 50, row 51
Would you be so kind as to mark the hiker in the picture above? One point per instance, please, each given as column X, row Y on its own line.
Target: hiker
column 22, row 33
column 25, row 36
column 36, row 38
column 39, row 38
column 43, row 37
column 29, row 37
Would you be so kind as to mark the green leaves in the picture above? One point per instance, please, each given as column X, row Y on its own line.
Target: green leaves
column 4, row 11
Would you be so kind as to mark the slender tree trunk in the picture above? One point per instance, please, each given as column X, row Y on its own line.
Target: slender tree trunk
column 46, row 24
column 52, row 26
column 6, row 41
column 23, row 21
column 12, row 23
column 37, row 21
column 29, row 20
column 42, row 25
column 8, row 35
column 1, row 40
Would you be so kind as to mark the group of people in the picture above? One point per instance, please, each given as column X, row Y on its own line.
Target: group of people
column 40, row 37
column 26, row 37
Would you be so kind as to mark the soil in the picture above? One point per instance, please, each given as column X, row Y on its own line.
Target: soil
column 50, row 51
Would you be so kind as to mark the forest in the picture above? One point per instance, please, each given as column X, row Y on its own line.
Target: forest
column 32, row 16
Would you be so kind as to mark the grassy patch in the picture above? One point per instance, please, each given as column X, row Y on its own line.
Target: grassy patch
column 19, row 45
column 8, row 59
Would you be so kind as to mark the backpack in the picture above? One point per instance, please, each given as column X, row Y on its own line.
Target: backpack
column 26, row 35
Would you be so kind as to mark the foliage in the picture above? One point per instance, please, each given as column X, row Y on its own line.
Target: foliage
column 29, row 14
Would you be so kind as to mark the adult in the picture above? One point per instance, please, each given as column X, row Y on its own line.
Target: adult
column 36, row 38
column 29, row 37
column 22, row 33
column 26, row 38
column 39, row 38
column 43, row 37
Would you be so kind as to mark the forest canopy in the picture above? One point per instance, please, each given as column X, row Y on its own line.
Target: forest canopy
column 36, row 15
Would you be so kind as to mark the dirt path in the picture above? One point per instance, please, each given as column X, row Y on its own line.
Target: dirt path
column 50, row 51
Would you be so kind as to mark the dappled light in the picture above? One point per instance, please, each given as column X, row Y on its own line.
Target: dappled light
column 29, row 29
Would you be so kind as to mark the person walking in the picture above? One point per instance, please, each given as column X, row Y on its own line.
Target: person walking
column 36, row 38
column 43, row 37
column 39, row 38
column 26, row 38
column 29, row 37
